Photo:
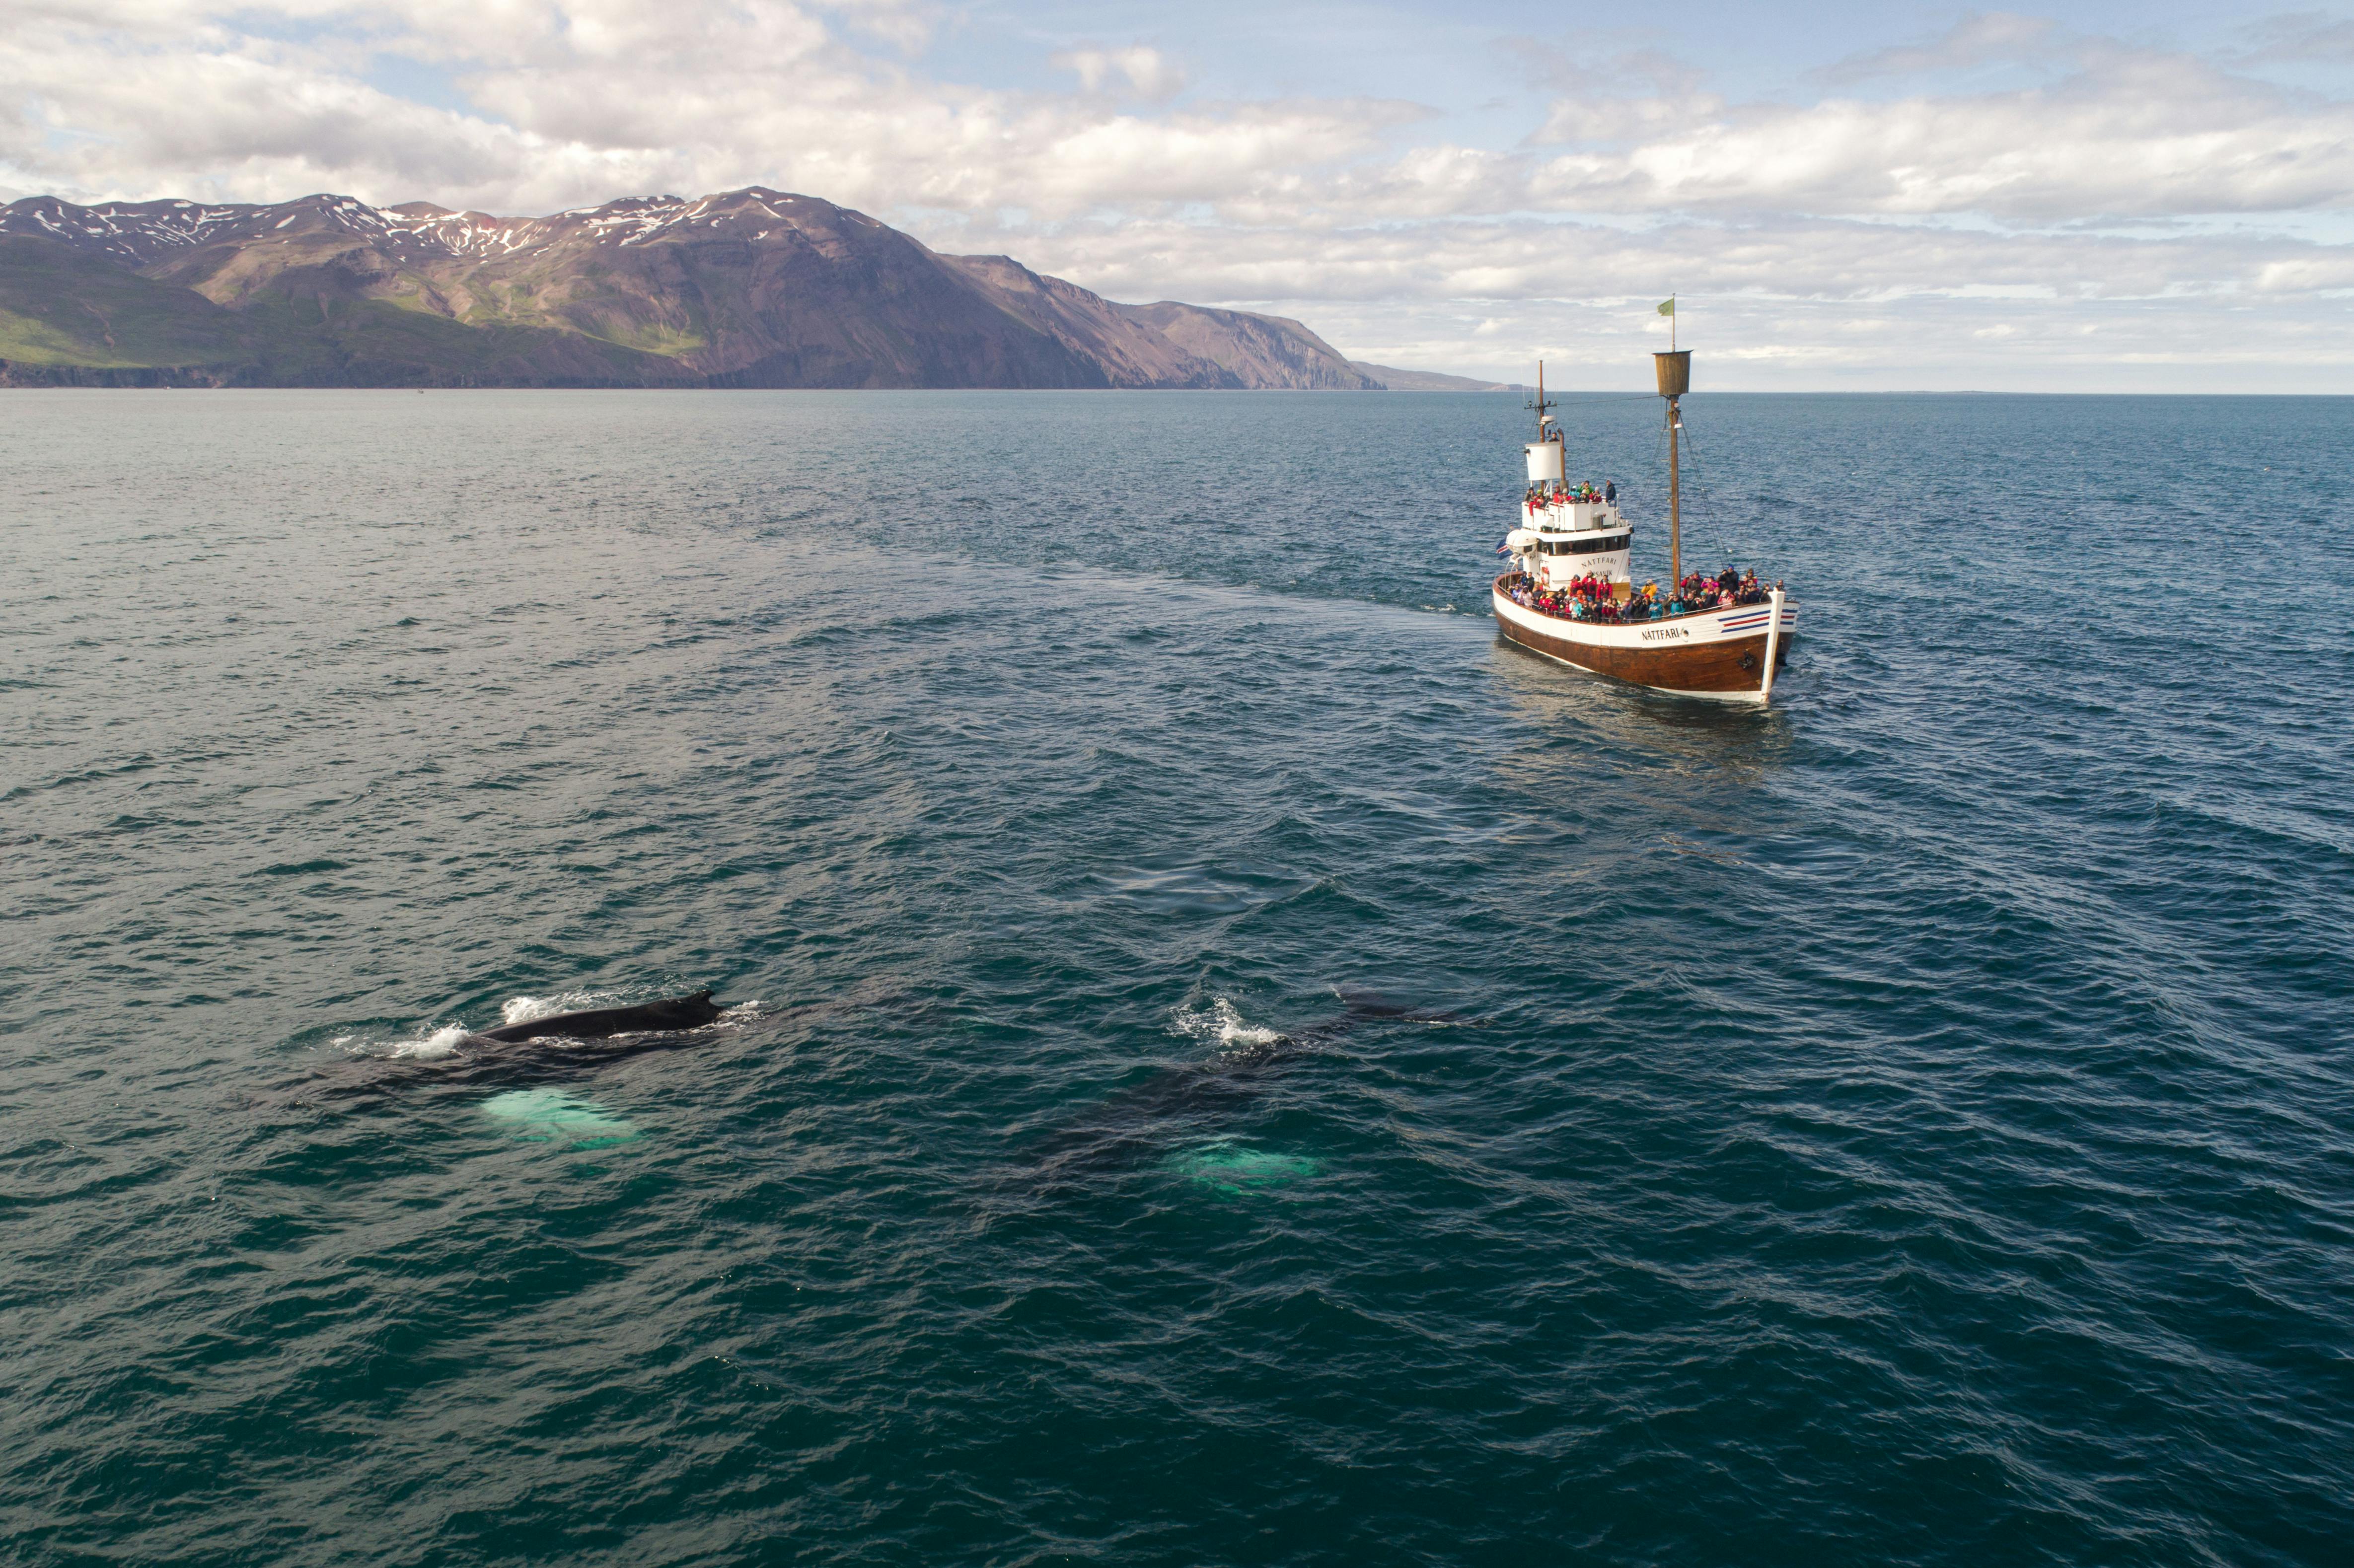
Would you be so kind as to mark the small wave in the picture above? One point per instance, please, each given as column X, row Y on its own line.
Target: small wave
column 1224, row 1025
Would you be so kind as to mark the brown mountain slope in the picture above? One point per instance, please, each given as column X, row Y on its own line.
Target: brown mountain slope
column 1135, row 353
column 1257, row 351
column 749, row 288
column 1398, row 380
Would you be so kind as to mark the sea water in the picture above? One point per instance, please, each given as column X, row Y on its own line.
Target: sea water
column 1910, row 1125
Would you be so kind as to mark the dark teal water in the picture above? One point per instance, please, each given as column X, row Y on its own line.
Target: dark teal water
column 1908, row 1126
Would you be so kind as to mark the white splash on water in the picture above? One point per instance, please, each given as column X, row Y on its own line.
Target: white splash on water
column 530, row 1009
column 442, row 1042
column 430, row 1047
column 1224, row 1025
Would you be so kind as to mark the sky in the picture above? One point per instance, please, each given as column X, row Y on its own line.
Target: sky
column 2109, row 197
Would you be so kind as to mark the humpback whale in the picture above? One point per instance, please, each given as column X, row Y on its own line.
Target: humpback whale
column 539, row 1050
column 1198, row 1096
column 672, row 1013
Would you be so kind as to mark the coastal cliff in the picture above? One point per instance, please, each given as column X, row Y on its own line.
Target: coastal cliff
column 749, row 288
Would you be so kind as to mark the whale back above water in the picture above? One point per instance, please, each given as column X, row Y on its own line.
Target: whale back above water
column 672, row 1013
column 539, row 1050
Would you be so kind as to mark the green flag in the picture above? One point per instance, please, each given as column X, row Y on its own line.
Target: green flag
column 1668, row 306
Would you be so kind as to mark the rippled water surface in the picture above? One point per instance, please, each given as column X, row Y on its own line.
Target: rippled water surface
column 1229, row 1064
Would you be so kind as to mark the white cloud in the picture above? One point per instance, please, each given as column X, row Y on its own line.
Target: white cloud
column 597, row 98
column 1150, row 74
column 1902, row 193
column 1593, row 117
column 1978, row 39
column 1799, row 262
column 2140, row 135
column 2299, row 38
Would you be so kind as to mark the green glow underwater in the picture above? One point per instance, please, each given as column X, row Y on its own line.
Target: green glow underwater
column 551, row 1116
column 1231, row 1168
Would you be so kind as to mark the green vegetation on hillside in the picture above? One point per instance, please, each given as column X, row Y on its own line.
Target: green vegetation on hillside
column 58, row 306
column 63, row 310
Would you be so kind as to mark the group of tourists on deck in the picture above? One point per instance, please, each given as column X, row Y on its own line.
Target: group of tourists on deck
column 1724, row 590
column 1598, row 599
column 1541, row 495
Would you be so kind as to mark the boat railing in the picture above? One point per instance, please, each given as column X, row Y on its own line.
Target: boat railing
column 1539, row 607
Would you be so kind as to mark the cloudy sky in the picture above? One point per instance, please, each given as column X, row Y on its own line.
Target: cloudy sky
column 2147, row 196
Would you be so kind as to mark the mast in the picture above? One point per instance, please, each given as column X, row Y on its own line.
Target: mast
column 1675, row 501
column 1543, row 409
column 1674, row 369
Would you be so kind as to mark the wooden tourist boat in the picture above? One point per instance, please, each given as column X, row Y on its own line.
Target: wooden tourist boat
column 1730, row 652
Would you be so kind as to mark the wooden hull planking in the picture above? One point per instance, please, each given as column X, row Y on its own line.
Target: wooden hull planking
column 1725, row 668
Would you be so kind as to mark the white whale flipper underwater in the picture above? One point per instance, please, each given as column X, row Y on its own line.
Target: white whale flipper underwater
column 551, row 1116
column 1231, row 1167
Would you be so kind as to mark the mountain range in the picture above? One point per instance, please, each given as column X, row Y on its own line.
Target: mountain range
column 748, row 288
